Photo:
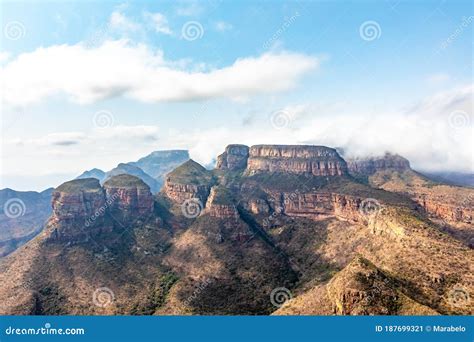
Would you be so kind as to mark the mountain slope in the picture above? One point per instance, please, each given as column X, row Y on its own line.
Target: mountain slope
column 450, row 207
column 94, row 173
column 23, row 215
column 269, row 218
column 359, row 289
column 134, row 171
column 158, row 163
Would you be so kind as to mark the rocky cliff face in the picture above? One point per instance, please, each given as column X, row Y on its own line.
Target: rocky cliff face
column 315, row 160
column 129, row 198
column 445, row 211
column 220, row 204
column 234, row 158
column 181, row 192
column 368, row 166
column 78, row 208
column 189, row 180
column 82, row 208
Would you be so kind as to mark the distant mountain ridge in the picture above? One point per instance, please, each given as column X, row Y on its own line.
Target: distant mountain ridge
column 151, row 168
column 22, row 216
column 94, row 173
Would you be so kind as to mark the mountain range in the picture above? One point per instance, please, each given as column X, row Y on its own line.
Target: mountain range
column 35, row 208
column 272, row 229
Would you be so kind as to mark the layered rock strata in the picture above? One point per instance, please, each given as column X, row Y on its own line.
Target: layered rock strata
column 296, row 159
column 129, row 198
column 234, row 158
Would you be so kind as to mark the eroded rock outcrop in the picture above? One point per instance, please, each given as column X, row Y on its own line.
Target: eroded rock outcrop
column 220, row 204
column 296, row 159
column 189, row 180
column 128, row 198
column 78, row 210
column 368, row 166
column 234, row 158
column 445, row 211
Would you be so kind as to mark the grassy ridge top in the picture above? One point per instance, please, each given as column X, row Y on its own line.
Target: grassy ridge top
column 190, row 173
column 126, row 181
column 77, row 185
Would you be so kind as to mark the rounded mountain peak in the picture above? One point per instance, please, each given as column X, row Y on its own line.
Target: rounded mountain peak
column 125, row 181
column 80, row 185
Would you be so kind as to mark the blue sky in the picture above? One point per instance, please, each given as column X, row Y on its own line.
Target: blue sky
column 369, row 76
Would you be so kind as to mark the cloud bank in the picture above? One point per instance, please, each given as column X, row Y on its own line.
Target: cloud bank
column 119, row 68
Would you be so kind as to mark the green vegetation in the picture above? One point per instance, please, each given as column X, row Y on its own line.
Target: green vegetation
column 191, row 173
column 125, row 181
column 222, row 195
column 78, row 185
column 157, row 296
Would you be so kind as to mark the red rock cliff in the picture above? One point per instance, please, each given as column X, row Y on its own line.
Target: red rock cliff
column 79, row 208
column 128, row 198
column 299, row 159
column 368, row 166
column 234, row 158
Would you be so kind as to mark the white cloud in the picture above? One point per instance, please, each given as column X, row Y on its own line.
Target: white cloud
column 222, row 26
column 120, row 22
column 431, row 139
column 72, row 152
column 159, row 22
column 4, row 56
column 438, row 78
column 119, row 68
